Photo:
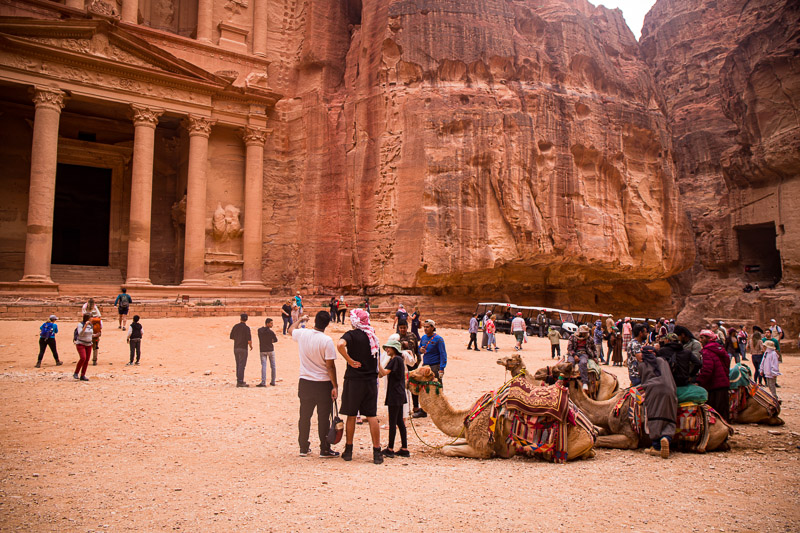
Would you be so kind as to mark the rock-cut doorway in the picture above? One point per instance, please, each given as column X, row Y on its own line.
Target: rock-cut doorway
column 81, row 217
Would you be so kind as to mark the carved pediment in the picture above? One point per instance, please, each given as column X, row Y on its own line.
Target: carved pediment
column 87, row 40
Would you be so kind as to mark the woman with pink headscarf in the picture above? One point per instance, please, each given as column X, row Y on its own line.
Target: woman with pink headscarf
column 360, row 348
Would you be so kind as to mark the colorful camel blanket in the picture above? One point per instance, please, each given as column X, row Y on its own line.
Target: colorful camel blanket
column 537, row 401
column 636, row 414
column 739, row 376
column 765, row 399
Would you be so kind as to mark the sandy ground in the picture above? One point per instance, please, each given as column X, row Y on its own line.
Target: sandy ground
column 168, row 446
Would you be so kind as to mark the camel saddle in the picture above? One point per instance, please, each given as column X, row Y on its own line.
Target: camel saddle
column 537, row 401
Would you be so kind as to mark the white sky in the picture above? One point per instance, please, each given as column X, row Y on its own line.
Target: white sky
column 633, row 10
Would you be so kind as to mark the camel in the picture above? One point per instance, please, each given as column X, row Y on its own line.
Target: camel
column 609, row 386
column 475, row 443
column 755, row 413
column 618, row 431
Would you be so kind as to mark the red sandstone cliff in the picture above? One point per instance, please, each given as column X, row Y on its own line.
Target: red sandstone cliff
column 503, row 145
column 729, row 73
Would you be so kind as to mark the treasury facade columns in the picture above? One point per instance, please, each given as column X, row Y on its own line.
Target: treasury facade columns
column 254, row 139
column 145, row 120
column 195, row 246
column 130, row 11
column 260, row 27
column 41, row 198
column 205, row 11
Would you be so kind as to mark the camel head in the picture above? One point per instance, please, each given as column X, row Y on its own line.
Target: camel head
column 422, row 378
column 513, row 363
column 550, row 374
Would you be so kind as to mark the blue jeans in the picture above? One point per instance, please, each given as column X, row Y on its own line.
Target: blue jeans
column 264, row 357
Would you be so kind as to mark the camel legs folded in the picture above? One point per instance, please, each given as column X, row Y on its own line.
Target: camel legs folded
column 622, row 442
column 464, row 450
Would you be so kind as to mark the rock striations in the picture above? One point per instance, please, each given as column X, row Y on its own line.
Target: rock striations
column 470, row 147
column 729, row 74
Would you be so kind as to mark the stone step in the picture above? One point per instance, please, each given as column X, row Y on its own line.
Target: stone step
column 80, row 274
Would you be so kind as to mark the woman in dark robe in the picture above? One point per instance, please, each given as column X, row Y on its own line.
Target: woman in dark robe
column 615, row 346
column 660, row 400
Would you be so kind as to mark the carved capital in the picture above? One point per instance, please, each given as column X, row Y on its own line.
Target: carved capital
column 145, row 116
column 50, row 98
column 255, row 136
column 197, row 125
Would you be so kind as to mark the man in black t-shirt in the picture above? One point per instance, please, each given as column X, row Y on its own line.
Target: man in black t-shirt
column 359, row 347
column 266, row 340
column 240, row 334
column 286, row 315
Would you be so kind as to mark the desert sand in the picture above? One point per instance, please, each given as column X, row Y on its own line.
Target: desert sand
column 174, row 445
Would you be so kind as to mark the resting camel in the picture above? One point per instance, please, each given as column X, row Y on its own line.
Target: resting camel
column 476, row 442
column 755, row 413
column 619, row 432
column 609, row 386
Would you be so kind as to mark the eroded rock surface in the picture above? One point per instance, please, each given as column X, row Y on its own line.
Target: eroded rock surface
column 472, row 144
column 729, row 72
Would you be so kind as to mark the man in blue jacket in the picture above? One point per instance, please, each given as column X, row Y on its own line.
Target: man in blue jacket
column 434, row 355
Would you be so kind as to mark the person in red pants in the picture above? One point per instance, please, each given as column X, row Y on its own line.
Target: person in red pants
column 83, row 342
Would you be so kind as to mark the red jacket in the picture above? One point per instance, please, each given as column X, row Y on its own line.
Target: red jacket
column 714, row 374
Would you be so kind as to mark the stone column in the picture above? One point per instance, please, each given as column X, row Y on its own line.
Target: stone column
column 130, row 11
column 145, row 120
column 254, row 139
column 41, row 197
column 76, row 4
column 260, row 27
column 205, row 12
column 195, row 246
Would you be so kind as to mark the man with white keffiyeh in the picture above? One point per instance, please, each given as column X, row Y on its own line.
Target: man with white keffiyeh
column 361, row 350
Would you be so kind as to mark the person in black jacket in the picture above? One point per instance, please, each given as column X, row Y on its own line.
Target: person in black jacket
column 684, row 364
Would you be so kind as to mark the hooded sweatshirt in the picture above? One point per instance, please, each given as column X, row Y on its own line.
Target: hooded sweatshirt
column 714, row 374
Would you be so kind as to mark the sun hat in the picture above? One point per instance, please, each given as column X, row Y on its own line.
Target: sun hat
column 583, row 329
column 394, row 343
column 769, row 344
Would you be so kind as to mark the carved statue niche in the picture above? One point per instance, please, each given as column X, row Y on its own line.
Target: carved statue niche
column 225, row 226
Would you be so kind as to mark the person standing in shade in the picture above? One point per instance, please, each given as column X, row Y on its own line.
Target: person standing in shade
column 135, row 339
column 473, row 332
column 240, row 334
column 434, row 355
column 83, row 343
column 415, row 322
column 360, row 348
column 266, row 340
column 541, row 320
column 634, row 347
column 286, row 315
column 317, row 387
column 598, row 341
column 555, row 342
column 47, row 337
column 123, row 303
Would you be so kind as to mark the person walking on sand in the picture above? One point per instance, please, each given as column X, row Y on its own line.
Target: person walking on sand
column 401, row 314
column 342, row 308
column 123, row 303
column 266, row 340
column 286, row 315
column 317, row 387
column 360, row 348
column 518, row 327
column 485, row 336
column 240, row 334
column 415, row 322
column 97, row 328
column 135, row 340
column 83, row 343
column 47, row 337
column 333, row 309
column 473, row 332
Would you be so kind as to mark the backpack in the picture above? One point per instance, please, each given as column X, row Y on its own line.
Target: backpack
column 46, row 330
column 75, row 336
column 97, row 325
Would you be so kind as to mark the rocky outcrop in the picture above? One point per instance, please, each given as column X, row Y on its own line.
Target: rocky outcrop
column 729, row 73
column 471, row 145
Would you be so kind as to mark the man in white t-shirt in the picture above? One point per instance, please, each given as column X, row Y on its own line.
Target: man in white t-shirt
column 318, row 388
column 518, row 330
